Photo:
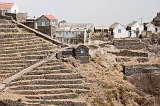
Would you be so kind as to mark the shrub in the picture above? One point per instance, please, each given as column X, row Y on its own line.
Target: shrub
column 124, row 77
column 92, row 59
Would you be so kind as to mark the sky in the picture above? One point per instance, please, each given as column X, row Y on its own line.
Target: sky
column 98, row 12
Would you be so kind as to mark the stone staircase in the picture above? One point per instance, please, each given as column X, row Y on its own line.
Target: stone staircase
column 20, row 49
column 6, row 26
column 51, row 84
column 130, row 50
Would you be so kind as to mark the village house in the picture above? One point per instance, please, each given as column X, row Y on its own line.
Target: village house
column 47, row 24
column 31, row 22
column 118, row 30
column 99, row 29
column 71, row 35
column 47, row 20
column 153, row 26
column 84, row 26
column 8, row 8
column 134, row 29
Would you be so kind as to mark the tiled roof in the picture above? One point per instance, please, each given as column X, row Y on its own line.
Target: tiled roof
column 6, row 5
column 50, row 17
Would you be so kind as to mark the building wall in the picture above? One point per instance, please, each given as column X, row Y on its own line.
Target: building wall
column 152, row 28
column 69, row 34
column 43, row 19
column 14, row 9
column 47, row 21
column 134, row 29
column 20, row 17
column 118, row 34
column 48, row 30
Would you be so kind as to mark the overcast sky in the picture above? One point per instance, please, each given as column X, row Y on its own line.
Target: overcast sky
column 99, row 12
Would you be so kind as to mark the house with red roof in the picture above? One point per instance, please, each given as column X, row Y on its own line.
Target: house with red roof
column 47, row 20
column 6, row 7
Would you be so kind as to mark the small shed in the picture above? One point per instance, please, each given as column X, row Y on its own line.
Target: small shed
column 81, row 53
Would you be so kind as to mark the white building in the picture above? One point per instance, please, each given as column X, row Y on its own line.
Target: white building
column 118, row 30
column 71, row 35
column 85, row 26
column 134, row 29
column 153, row 28
column 9, row 7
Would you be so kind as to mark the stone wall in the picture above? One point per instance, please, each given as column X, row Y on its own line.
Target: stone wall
column 48, row 30
column 135, row 69
column 20, row 17
column 132, row 44
column 72, row 40
column 30, row 24
column 129, row 53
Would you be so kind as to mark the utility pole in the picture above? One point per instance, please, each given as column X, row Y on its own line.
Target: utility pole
column 141, row 21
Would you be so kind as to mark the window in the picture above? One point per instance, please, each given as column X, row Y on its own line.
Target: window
column 156, row 29
column 36, row 25
column 82, row 51
column 43, row 23
column 119, row 30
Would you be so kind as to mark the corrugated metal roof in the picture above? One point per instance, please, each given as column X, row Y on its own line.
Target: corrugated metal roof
column 101, row 27
column 132, row 23
column 4, row 5
column 114, row 25
column 73, row 29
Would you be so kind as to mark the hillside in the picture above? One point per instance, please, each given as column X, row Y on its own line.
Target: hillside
column 66, row 82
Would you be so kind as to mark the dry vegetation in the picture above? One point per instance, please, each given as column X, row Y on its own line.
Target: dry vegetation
column 108, row 86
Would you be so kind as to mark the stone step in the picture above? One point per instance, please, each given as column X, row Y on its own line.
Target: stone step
column 45, row 91
column 13, row 65
column 10, row 44
column 42, row 72
column 37, row 52
column 24, row 57
column 3, row 21
column 54, row 96
column 34, row 104
column 8, row 25
column 8, row 71
column 9, row 30
column 6, row 55
column 11, row 68
column 20, row 38
column 47, row 82
column 52, row 76
column 52, row 64
column 17, row 45
column 19, row 61
column 58, row 67
column 132, row 47
column 40, row 87
column 6, row 75
column 16, row 35
column 61, row 102
column 143, row 68
column 26, row 50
